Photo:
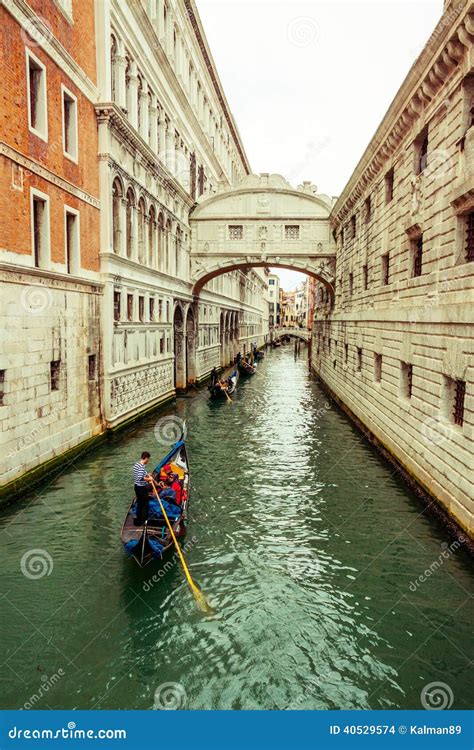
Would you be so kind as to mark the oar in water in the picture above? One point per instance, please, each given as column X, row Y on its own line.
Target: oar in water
column 197, row 593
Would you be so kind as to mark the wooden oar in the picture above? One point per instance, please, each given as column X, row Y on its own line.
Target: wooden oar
column 197, row 593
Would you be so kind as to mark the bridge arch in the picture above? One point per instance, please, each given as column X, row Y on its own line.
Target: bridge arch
column 263, row 222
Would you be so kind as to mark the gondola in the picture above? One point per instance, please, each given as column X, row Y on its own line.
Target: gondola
column 259, row 355
column 217, row 392
column 150, row 541
column 245, row 368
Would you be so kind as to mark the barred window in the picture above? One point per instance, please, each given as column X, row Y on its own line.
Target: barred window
column 469, row 245
column 377, row 368
column 292, row 232
column 385, row 269
column 406, row 379
column 236, row 232
column 417, row 245
column 458, row 407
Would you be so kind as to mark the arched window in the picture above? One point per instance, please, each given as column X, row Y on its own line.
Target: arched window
column 167, row 245
column 141, row 231
column 161, row 240
column 139, row 98
column 130, row 210
column 178, row 250
column 117, row 195
column 151, row 235
column 113, row 55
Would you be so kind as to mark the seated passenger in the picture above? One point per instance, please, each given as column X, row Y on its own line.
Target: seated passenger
column 174, row 483
column 164, row 471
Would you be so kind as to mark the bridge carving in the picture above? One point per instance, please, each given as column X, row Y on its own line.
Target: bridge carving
column 263, row 221
column 299, row 333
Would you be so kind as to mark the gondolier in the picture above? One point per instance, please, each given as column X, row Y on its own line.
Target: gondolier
column 141, row 478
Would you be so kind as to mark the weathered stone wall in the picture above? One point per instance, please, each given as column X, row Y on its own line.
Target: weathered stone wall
column 399, row 315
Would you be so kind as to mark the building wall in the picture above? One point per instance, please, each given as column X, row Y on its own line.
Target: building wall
column 412, row 319
column 50, row 314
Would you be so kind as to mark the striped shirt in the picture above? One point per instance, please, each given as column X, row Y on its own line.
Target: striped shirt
column 139, row 471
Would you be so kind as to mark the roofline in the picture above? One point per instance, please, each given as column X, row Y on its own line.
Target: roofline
column 196, row 23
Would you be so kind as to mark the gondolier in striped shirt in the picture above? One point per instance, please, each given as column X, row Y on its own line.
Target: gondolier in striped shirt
column 141, row 478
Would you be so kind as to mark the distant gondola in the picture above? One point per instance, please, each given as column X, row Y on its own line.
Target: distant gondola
column 216, row 391
column 246, row 368
column 150, row 541
column 259, row 355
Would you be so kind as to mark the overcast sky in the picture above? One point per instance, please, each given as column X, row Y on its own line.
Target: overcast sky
column 309, row 83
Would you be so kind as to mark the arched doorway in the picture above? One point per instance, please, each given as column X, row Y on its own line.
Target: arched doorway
column 179, row 350
column 190, row 347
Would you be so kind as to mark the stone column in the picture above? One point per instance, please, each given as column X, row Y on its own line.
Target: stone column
column 143, row 104
column 120, row 64
column 123, row 227
column 162, row 134
column 132, row 94
column 153, row 114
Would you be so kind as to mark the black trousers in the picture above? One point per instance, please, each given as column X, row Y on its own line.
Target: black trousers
column 143, row 499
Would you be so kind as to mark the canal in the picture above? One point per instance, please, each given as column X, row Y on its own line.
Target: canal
column 307, row 544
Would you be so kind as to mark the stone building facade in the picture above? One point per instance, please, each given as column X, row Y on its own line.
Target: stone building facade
column 50, row 363
column 114, row 123
column 397, row 347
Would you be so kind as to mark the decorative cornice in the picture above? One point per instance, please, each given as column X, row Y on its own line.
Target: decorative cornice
column 26, row 17
column 38, row 169
column 61, row 280
column 441, row 56
column 118, row 122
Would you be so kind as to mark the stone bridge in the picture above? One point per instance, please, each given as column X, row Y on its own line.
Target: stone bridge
column 299, row 333
column 263, row 221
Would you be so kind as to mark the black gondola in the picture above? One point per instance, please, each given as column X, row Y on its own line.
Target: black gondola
column 246, row 368
column 151, row 540
column 216, row 391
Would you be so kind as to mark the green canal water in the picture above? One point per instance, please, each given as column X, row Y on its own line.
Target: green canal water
column 306, row 543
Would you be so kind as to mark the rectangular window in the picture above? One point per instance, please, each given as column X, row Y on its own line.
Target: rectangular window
column 40, row 229
column 368, row 209
column 162, row 345
column 117, row 303
column 160, row 309
column 37, row 96
column 351, row 284
column 359, row 359
column 152, row 308
column 421, row 151
column 458, row 406
column 365, row 277
column 346, row 353
column 389, row 183
column 271, row 282
column 129, row 306
column 292, row 232
column 353, row 226
column 71, row 231
column 469, row 238
column 141, row 308
column 54, row 373
column 236, row 232
column 2, row 387
column 417, row 251
column 92, row 366
column 377, row 368
column 406, row 374
column 70, row 140
column 385, row 269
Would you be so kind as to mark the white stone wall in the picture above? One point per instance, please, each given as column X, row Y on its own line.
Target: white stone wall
column 45, row 320
column 424, row 320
